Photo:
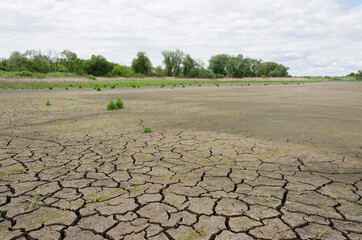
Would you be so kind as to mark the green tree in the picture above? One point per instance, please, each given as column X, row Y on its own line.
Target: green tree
column 273, row 69
column 142, row 64
column 3, row 64
column 17, row 61
column 235, row 66
column 218, row 64
column 173, row 62
column 97, row 66
column 358, row 75
column 71, row 62
column 188, row 64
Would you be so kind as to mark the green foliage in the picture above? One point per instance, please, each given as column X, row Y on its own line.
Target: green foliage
column 119, row 104
column 111, row 106
column 173, row 61
column 358, row 75
column 122, row 71
column 146, row 130
column 188, row 65
column 47, row 103
column 70, row 62
column 50, row 88
column 202, row 73
column 98, row 89
column 97, row 66
column 218, row 64
column 91, row 77
column 142, row 64
column 38, row 64
column 273, row 69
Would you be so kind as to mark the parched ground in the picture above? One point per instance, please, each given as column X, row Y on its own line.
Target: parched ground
column 228, row 162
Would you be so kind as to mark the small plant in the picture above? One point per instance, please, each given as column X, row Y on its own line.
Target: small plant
column 111, row 106
column 80, row 87
column 183, row 85
column 50, row 88
column 119, row 104
column 199, row 85
column 146, row 130
column 113, row 86
column 98, row 89
column 47, row 103
column 91, row 77
column 66, row 88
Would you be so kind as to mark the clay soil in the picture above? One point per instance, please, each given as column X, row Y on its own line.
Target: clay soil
column 228, row 162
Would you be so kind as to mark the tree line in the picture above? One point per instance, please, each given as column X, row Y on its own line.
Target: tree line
column 175, row 64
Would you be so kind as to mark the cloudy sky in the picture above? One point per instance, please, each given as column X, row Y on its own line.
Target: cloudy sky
column 312, row 37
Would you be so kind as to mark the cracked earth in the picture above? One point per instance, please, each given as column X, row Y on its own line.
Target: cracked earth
column 173, row 184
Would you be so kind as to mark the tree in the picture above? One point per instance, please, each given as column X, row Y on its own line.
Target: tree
column 218, row 64
column 359, row 75
column 16, row 61
column 97, row 66
column 251, row 67
column 3, row 64
column 235, row 66
column 273, row 69
column 71, row 62
column 173, row 61
column 188, row 64
column 142, row 64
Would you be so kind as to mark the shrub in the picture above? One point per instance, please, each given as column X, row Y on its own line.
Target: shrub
column 66, row 88
column 47, row 103
column 113, row 86
column 80, row 87
column 26, row 74
column 146, row 130
column 359, row 75
column 111, row 106
column 91, row 77
column 98, row 89
column 50, row 88
column 119, row 104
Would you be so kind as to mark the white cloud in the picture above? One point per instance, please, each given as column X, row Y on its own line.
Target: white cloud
column 322, row 37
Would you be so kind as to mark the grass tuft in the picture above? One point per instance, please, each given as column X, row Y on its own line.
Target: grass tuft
column 47, row 103
column 111, row 106
column 119, row 104
column 146, row 130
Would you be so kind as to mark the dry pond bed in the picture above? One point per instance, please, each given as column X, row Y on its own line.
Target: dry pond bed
column 228, row 162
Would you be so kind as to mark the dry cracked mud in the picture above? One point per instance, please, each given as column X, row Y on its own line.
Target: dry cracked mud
column 173, row 184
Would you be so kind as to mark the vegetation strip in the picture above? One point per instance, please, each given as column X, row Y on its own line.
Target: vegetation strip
column 135, row 83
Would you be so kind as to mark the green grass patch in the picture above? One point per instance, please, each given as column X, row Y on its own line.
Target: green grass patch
column 111, row 106
column 146, row 130
column 119, row 104
column 113, row 83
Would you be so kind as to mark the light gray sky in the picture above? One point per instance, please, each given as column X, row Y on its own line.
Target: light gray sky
column 312, row 37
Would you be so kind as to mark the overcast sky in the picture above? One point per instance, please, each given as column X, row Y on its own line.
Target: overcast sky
column 312, row 37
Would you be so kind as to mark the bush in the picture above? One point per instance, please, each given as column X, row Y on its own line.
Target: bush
column 50, row 88
column 358, row 75
column 91, row 77
column 111, row 106
column 119, row 104
column 99, row 89
column 47, row 103
column 146, row 130
column 26, row 74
